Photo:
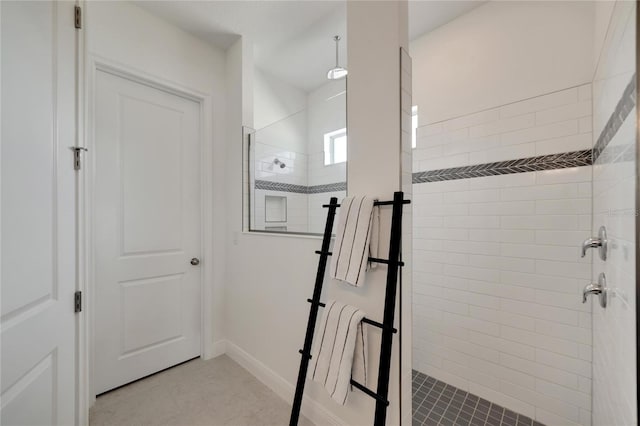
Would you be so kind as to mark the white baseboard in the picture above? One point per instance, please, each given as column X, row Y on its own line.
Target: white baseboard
column 311, row 409
column 218, row 348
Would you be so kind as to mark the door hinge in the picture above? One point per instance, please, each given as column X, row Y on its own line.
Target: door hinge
column 77, row 17
column 77, row 157
column 77, row 302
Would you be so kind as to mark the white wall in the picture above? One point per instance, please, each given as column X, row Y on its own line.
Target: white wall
column 125, row 34
column 274, row 99
column 614, row 205
column 501, row 52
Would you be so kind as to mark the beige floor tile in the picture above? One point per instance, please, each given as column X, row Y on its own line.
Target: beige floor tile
column 197, row 393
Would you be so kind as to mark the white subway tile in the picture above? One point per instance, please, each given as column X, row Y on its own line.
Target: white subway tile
column 547, row 343
column 539, row 281
column 471, row 120
column 585, row 92
column 585, row 125
column 471, row 247
column 560, row 176
column 539, row 133
column 563, row 269
column 563, row 316
column 540, row 103
column 472, row 323
column 503, row 125
column 472, row 222
column 577, row 142
column 503, row 153
column 559, row 222
column 564, row 112
column 536, row 251
column 476, row 196
column 548, row 418
column 551, row 374
column 562, row 300
column 574, row 397
column 570, row 206
column 472, row 349
column 541, row 192
column 502, row 345
column 566, row 363
column 518, row 321
column 471, row 298
column 474, row 375
column 444, row 162
column 566, row 332
column 504, row 208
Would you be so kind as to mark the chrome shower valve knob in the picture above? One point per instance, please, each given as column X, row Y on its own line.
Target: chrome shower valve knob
column 600, row 243
column 599, row 289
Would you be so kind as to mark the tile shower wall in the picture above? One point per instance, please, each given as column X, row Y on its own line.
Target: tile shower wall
column 276, row 145
column 614, row 197
column 497, row 272
column 295, row 173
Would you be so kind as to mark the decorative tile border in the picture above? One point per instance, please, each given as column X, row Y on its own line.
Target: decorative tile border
column 328, row 187
column 620, row 113
column 300, row 189
column 521, row 165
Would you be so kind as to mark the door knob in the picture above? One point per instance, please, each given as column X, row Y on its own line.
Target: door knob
column 600, row 289
column 195, row 261
column 600, row 243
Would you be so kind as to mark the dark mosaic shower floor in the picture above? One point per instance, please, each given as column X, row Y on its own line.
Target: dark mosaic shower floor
column 437, row 403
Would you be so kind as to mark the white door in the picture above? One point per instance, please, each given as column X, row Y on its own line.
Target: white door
column 147, row 230
column 38, row 323
column 614, row 396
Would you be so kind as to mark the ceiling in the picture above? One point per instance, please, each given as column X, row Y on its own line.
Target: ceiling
column 292, row 39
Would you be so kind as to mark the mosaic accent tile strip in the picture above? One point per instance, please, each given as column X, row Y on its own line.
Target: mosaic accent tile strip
column 279, row 186
column 620, row 113
column 521, row 165
column 437, row 403
column 328, row 187
column 300, row 189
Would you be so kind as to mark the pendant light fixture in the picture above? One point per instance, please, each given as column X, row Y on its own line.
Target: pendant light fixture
column 337, row 72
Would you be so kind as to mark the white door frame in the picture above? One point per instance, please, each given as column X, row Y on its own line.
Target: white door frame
column 86, row 223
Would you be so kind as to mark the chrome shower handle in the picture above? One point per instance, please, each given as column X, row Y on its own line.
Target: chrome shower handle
column 590, row 243
column 600, row 289
column 590, row 289
column 600, row 242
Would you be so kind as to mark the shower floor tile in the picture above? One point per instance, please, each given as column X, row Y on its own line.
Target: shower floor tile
column 437, row 403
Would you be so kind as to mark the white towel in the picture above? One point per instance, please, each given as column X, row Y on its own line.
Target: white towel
column 356, row 240
column 341, row 352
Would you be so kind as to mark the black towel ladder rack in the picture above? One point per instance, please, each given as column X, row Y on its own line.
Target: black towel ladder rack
column 393, row 263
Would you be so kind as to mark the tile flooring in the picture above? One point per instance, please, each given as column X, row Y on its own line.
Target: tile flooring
column 214, row 392
column 437, row 403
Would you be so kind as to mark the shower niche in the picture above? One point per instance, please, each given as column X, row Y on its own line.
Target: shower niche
column 275, row 210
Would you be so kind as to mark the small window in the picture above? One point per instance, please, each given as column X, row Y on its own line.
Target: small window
column 335, row 147
column 414, row 126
